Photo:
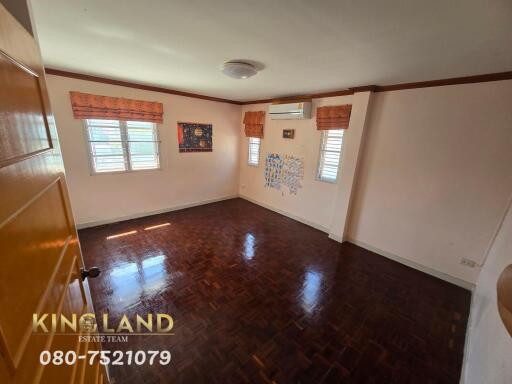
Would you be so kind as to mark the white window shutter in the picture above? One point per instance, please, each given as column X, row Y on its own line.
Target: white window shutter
column 253, row 157
column 330, row 154
column 121, row 146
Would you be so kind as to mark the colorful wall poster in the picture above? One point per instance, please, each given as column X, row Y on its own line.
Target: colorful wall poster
column 195, row 137
column 273, row 168
column 293, row 173
column 287, row 171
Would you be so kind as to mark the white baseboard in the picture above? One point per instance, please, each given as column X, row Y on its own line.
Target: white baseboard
column 337, row 238
column 287, row 214
column 150, row 213
column 417, row 266
column 401, row 260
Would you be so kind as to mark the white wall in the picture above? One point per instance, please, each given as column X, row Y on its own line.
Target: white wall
column 185, row 178
column 489, row 347
column 432, row 182
column 435, row 174
column 314, row 202
column 350, row 159
column 433, row 179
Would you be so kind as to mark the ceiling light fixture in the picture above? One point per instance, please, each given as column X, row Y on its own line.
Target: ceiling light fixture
column 238, row 69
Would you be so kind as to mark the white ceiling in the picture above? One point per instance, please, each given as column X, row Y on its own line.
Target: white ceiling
column 306, row 46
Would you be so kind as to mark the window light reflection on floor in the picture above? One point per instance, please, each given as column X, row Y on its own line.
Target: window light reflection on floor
column 157, row 226
column 121, row 234
column 249, row 247
column 311, row 290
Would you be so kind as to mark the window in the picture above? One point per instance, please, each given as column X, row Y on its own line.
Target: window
column 254, row 151
column 122, row 146
column 330, row 153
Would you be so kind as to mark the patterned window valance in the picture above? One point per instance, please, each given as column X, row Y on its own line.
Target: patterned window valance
column 254, row 123
column 86, row 106
column 333, row 117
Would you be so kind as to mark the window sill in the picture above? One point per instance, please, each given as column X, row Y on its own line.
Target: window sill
column 327, row 180
column 123, row 172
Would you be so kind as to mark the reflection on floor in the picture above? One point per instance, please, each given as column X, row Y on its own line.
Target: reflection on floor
column 260, row 298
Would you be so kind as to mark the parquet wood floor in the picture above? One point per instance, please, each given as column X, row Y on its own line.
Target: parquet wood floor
column 260, row 298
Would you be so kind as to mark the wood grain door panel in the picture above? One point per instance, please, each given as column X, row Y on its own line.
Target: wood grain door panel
column 73, row 302
column 40, row 257
column 37, row 238
column 24, row 130
column 87, row 374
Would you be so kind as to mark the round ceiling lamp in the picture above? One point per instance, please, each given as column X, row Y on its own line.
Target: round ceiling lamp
column 238, row 69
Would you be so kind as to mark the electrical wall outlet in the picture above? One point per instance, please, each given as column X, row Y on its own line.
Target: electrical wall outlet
column 468, row 263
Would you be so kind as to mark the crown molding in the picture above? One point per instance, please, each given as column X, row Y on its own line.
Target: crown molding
column 97, row 79
column 343, row 92
column 394, row 87
column 451, row 81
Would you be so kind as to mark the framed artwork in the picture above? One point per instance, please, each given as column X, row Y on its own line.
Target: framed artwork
column 195, row 137
column 288, row 133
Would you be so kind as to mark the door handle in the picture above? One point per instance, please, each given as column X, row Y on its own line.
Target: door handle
column 91, row 273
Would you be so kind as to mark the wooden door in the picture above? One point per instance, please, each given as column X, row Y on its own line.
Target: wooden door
column 40, row 258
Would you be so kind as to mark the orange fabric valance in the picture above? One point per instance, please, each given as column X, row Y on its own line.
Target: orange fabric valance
column 333, row 117
column 254, row 123
column 86, row 106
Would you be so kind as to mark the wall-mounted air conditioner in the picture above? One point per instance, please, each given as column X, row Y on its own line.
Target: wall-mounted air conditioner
column 290, row 111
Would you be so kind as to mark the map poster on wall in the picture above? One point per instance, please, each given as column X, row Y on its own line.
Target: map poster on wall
column 273, row 168
column 195, row 137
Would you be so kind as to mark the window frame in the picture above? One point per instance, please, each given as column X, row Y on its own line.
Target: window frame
column 323, row 141
column 249, row 152
column 124, row 144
